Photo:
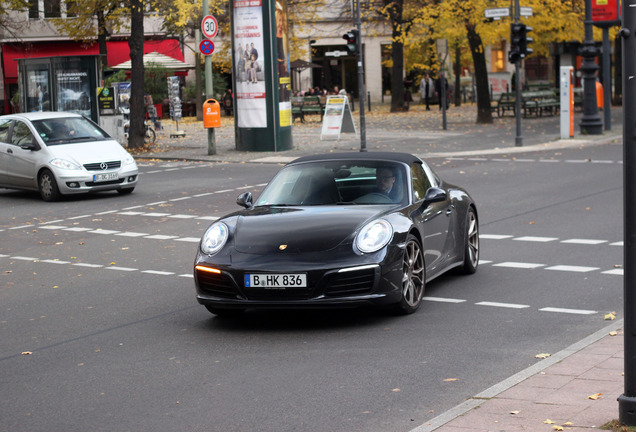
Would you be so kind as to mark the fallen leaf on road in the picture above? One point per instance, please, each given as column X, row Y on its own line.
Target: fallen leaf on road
column 613, row 333
column 396, row 390
column 514, row 412
column 543, row 355
column 558, row 428
column 595, row 396
column 610, row 316
column 451, row 379
column 26, row 353
column 548, row 421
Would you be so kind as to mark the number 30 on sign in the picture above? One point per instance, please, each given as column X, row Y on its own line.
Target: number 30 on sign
column 209, row 26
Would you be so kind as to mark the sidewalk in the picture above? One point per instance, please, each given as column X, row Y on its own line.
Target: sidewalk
column 573, row 390
column 417, row 131
column 553, row 394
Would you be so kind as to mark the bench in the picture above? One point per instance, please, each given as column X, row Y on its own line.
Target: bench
column 539, row 102
column 312, row 105
column 297, row 108
column 505, row 103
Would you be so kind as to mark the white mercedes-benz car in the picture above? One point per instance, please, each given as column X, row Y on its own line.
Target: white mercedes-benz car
column 58, row 153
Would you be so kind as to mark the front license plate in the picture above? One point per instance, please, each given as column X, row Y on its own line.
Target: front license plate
column 105, row 177
column 279, row 281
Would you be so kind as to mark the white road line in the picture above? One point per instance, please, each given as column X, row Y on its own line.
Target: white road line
column 494, row 236
column 130, row 213
column 481, row 261
column 55, row 261
column 156, row 214
column 23, row 258
column 182, row 216
column 106, row 212
column 503, row 305
column 210, row 218
column 520, row 265
column 570, row 268
column 132, row 234
column 584, row 241
column 568, row 311
column 104, row 232
column 187, row 276
column 443, row 300
column 79, row 217
column 180, row 199
column 21, row 227
column 156, row 203
column 618, row 272
column 188, row 239
column 536, row 239
column 161, row 237
column 52, row 227
column 126, row 269
column 78, row 229
column 620, row 243
column 88, row 265
column 157, row 272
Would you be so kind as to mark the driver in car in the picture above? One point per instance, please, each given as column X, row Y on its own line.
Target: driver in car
column 385, row 180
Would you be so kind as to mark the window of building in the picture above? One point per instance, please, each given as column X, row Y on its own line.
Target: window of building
column 40, row 9
column 497, row 56
column 52, row 9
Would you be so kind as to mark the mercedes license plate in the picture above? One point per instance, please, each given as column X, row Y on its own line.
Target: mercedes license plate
column 278, row 281
column 105, row 177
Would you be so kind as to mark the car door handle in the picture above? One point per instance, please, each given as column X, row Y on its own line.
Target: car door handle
column 449, row 211
column 9, row 151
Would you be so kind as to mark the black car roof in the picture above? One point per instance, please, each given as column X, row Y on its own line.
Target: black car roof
column 406, row 158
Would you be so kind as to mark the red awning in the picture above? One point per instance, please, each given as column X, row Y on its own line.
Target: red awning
column 118, row 52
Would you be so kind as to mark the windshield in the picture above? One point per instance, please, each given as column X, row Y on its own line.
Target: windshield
column 337, row 182
column 67, row 130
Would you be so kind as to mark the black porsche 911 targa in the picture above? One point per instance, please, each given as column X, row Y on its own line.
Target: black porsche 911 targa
column 338, row 230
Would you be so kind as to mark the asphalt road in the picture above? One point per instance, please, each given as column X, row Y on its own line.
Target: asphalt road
column 101, row 330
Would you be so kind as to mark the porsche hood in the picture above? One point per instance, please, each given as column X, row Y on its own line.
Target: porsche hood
column 264, row 230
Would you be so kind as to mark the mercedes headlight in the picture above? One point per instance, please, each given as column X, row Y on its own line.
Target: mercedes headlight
column 214, row 238
column 64, row 164
column 374, row 236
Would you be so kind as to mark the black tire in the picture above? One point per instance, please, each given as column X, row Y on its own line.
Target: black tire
column 471, row 243
column 150, row 136
column 224, row 313
column 126, row 191
column 413, row 277
column 47, row 185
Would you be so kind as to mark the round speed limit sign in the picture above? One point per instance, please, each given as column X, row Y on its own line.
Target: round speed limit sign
column 209, row 26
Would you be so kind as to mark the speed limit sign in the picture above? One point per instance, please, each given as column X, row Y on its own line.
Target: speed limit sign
column 209, row 26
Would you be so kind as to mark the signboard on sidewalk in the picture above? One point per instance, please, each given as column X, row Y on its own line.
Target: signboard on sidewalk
column 337, row 118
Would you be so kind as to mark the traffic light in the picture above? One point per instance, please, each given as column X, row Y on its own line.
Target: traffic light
column 352, row 40
column 516, row 32
column 519, row 41
column 525, row 40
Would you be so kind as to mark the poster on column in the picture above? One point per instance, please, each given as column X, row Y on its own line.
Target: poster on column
column 249, row 64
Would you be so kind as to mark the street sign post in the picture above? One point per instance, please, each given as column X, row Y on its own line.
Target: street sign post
column 497, row 13
column 209, row 26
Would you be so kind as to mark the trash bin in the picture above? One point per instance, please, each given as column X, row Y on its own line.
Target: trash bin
column 211, row 114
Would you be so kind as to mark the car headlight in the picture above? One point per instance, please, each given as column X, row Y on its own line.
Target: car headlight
column 374, row 236
column 214, row 238
column 64, row 164
column 128, row 160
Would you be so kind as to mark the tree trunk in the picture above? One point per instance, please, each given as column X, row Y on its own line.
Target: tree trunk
column 484, row 115
column 102, row 35
column 458, row 75
column 136, row 44
column 394, row 10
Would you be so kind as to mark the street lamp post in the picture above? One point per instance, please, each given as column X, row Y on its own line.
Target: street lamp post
column 627, row 401
column 591, row 122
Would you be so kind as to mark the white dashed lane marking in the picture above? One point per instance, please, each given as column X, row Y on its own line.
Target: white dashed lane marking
column 163, row 273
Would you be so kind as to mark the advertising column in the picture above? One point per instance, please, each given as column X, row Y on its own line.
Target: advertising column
column 261, row 75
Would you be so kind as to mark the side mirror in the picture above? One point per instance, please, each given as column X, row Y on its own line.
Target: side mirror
column 32, row 145
column 245, row 200
column 433, row 195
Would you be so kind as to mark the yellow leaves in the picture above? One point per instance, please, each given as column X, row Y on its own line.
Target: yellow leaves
column 595, row 396
column 27, row 352
column 543, row 356
column 548, row 421
column 610, row 316
column 613, row 333
column 557, row 428
column 451, row 379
